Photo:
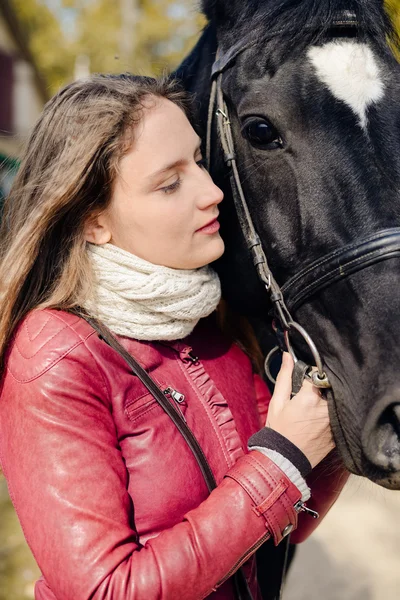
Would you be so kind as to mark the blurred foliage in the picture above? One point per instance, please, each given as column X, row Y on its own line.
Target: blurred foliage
column 156, row 35
column 18, row 570
column 393, row 7
column 46, row 41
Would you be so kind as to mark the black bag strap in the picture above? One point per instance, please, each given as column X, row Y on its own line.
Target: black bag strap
column 239, row 581
column 106, row 335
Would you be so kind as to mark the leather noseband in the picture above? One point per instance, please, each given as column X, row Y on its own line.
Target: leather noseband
column 339, row 264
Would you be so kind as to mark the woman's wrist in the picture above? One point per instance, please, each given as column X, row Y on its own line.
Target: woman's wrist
column 273, row 440
column 288, row 457
column 288, row 469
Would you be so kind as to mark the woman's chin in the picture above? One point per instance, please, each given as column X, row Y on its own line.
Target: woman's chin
column 214, row 250
column 201, row 257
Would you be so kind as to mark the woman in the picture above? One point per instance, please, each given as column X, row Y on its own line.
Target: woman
column 113, row 212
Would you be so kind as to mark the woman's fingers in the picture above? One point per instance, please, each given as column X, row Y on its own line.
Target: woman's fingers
column 304, row 419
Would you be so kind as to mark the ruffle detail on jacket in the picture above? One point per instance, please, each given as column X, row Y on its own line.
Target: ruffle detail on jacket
column 221, row 416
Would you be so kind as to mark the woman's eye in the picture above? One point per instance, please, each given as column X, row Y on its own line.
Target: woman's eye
column 262, row 134
column 169, row 189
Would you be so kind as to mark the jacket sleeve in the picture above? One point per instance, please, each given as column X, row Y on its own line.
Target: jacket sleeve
column 68, row 482
column 326, row 480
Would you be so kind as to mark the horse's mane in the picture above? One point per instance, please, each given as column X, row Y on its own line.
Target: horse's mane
column 301, row 22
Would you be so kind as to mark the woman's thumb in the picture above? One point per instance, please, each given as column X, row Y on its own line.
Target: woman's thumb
column 283, row 387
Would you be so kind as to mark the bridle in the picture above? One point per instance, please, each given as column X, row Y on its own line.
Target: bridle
column 314, row 277
column 253, row 242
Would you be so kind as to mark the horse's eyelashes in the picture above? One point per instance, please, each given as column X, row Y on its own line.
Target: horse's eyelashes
column 261, row 133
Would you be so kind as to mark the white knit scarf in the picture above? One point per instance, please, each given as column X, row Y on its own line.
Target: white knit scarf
column 140, row 300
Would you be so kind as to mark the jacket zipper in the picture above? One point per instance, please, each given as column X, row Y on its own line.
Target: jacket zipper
column 301, row 507
column 178, row 398
column 187, row 355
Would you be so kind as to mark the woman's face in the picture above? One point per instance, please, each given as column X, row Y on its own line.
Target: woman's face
column 164, row 204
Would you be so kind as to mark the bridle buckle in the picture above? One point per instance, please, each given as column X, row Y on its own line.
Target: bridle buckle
column 219, row 111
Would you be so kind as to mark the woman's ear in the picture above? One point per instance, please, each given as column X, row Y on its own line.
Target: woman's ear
column 96, row 230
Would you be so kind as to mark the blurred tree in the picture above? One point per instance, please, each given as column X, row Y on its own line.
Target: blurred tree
column 46, row 41
column 393, row 7
column 142, row 36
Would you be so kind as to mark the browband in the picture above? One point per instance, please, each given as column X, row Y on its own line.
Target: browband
column 345, row 19
column 224, row 59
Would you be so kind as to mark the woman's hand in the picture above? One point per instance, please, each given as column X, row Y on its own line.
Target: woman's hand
column 304, row 419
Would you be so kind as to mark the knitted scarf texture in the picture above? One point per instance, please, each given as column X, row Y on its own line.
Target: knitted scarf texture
column 140, row 300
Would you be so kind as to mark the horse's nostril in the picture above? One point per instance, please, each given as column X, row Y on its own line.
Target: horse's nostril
column 381, row 439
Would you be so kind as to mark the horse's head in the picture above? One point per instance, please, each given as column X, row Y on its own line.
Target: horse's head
column 314, row 107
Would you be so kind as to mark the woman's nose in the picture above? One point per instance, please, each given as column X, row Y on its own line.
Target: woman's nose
column 210, row 193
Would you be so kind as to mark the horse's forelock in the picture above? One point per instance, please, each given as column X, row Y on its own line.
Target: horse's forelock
column 300, row 22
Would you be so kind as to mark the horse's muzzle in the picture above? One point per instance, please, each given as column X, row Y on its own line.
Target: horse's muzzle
column 380, row 441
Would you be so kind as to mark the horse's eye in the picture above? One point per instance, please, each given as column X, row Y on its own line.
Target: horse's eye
column 262, row 134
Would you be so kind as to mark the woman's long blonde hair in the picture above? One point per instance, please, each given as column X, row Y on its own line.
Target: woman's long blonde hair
column 66, row 175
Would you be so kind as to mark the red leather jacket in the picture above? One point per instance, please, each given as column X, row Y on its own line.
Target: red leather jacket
column 111, row 501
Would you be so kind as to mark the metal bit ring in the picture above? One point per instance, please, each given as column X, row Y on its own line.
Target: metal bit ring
column 267, row 363
column 319, row 378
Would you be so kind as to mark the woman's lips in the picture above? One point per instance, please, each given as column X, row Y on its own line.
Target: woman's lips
column 210, row 228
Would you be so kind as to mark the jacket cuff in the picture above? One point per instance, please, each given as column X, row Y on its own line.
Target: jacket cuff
column 273, row 495
column 289, row 469
column 272, row 440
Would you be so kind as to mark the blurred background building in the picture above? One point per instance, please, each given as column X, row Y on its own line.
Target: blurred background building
column 22, row 92
column 44, row 44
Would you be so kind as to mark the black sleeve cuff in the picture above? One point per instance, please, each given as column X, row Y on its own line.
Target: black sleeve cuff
column 271, row 439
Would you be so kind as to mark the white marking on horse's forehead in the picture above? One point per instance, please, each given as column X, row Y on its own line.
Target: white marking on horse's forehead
column 351, row 72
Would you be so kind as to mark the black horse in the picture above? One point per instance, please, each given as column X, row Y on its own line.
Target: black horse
column 313, row 92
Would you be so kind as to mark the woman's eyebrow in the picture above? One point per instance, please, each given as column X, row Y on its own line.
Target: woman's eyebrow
column 177, row 163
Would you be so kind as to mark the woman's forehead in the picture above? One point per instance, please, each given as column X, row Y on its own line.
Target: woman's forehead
column 164, row 136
